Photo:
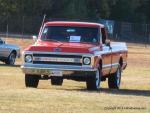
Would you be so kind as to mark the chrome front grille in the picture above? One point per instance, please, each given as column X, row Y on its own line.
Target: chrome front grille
column 57, row 59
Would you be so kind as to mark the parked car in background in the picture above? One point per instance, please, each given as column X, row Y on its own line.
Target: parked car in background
column 74, row 50
column 8, row 52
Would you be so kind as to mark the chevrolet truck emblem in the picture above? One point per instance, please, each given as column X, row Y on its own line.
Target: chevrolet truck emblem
column 57, row 50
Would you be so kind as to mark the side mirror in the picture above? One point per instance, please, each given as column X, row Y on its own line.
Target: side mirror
column 107, row 42
column 34, row 38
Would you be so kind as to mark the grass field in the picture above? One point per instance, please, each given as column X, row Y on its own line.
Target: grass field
column 72, row 97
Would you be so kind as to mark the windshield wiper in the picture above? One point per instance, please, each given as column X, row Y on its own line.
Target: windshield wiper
column 51, row 40
column 89, row 42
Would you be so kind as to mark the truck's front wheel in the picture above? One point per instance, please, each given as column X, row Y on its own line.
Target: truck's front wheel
column 114, row 80
column 31, row 80
column 93, row 82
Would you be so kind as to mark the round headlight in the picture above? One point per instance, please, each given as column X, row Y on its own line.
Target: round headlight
column 86, row 61
column 28, row 58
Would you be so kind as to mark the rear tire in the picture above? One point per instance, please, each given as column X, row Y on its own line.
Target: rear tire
column 31, row 80
column 114, row 79
column 11, row 59
column 56, row 81
column 93, row 82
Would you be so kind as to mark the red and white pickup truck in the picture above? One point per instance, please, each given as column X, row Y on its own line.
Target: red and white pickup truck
column 74, row 50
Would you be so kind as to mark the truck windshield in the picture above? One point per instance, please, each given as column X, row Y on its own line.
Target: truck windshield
column 70, row 34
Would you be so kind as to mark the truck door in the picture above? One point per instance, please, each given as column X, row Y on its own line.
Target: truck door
column 107, row 54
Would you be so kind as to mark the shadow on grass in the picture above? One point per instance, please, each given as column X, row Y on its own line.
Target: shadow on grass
column 5, row 65
column 132, row 92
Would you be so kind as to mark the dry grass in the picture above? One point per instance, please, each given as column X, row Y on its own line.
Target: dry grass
column 73, row 97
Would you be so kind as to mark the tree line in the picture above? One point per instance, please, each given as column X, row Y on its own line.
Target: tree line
column 15, row 12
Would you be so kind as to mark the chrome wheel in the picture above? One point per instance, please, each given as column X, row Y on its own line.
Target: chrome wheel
column 118, row 77
column 93, row 82
column 97, row 79
column 114, row 79
column 11, row 59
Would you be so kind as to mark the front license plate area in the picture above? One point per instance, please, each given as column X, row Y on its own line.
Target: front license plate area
column 56, row 73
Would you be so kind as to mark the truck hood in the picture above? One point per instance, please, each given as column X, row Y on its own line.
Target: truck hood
column 44, row 46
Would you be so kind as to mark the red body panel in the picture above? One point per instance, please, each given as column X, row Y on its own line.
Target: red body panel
column 79, row 24
column 45, row 46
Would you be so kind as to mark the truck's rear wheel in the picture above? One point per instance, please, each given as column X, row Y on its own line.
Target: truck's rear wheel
column 93, row 82
column 31, row 80
column 56, row 81
column 114, row 79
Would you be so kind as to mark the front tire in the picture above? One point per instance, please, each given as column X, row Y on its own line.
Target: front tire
column 11, row 59
column 114, row 79
column 31, row 80
column 93, row 82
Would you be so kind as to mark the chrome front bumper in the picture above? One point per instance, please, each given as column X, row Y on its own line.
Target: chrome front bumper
column 40, row 69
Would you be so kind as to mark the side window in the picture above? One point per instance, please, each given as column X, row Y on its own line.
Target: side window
column 45, row 32
column 104, row 35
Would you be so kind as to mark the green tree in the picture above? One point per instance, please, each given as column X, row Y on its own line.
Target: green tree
column 32, row 11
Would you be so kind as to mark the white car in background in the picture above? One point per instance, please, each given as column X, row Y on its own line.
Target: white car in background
column 8, row 52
